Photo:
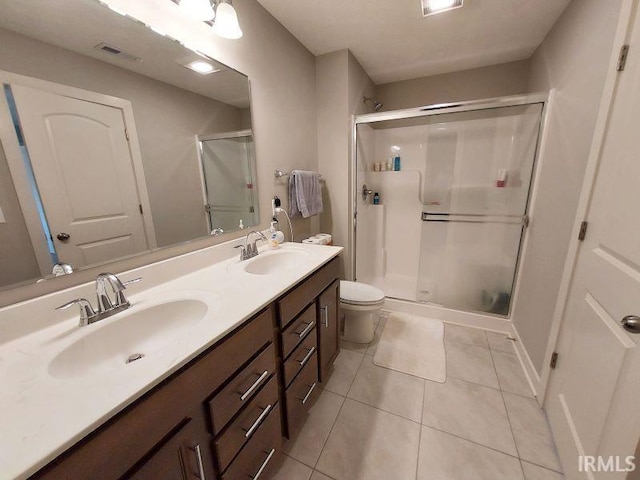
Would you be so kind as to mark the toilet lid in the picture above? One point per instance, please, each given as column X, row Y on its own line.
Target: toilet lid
column 356, row 292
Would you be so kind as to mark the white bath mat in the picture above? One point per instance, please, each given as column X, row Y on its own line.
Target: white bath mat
column 413, row 345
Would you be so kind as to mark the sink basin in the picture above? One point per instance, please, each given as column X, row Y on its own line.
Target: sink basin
column 128, row 337
column 276, row 261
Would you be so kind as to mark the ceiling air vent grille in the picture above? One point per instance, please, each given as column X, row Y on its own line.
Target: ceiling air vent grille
column 430, row 7
column 116, row 52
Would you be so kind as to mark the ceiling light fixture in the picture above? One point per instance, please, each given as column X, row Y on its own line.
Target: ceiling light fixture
column 430, row 7
column 226, row 24
column 202, row 67
column 198, row 9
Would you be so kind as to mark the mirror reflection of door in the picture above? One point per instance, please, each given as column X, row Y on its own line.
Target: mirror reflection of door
column 92, row 200
column 229, row 179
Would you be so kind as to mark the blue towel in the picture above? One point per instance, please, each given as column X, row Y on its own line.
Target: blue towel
column 305, row 194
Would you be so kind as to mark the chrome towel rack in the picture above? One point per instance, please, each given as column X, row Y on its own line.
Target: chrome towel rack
column 280, row 174
column 475, row 218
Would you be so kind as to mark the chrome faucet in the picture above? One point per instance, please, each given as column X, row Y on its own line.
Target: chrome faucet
column 106, row 305
column 250, row 250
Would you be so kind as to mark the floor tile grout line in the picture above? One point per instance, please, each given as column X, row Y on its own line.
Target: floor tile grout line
column 324, row 444
column 504, row 403
column 424, row 398
column 477, row 443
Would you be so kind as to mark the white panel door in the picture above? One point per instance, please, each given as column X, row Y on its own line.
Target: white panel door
column 594, row 393
column 84, row 172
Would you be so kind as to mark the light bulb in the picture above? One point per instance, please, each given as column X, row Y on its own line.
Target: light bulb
column 226, row 24
column 198, row 9
column 436, row 5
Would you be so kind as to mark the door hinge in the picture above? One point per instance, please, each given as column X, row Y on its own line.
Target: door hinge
column 622, row 57
column 126, row 134
column 583, row 230
column 140, row 207
column 554, row 360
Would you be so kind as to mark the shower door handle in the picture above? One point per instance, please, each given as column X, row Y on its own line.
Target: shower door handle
column 365, row 192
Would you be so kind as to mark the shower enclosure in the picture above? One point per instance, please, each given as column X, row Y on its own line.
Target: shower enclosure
column 448, row 227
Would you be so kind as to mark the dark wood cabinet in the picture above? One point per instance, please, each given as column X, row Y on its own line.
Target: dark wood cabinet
column 328, row 337
column 223, row 415
column 307, row 341
column 183, row 455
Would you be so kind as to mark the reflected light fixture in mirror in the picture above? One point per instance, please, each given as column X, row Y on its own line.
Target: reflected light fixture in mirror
column 431, row 7
column 198, row 9
column 222, row 16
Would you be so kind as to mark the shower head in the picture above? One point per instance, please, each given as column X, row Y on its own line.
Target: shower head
column 376, row 105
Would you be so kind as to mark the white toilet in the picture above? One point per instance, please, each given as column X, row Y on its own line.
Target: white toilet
column 361, row 305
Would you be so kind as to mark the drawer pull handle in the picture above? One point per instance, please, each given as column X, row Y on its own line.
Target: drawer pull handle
column 325, row 313
column 307, row 329
column 256, row 384
column 201, row 474
column 302, row 362
column 264, row 464
column 258, row 421
column 306, row 397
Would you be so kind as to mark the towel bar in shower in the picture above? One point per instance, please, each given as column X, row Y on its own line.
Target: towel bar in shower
column 475, row 218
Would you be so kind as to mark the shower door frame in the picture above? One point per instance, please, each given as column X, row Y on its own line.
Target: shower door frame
column 441, row 109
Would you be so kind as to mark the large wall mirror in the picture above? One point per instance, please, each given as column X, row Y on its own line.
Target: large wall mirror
column 115, row 140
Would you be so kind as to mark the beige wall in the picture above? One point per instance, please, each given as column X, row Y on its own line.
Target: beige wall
column 341, row 83
column 17, row 257
column 485, row 82
column 572, row 59
column 167, row 118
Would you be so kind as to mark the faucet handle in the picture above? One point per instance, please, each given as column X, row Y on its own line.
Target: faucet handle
column 86, row 310
column 243, row 251
column 120, row 298
column 129, row 282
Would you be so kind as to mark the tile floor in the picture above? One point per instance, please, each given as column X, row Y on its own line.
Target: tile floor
column 373, row 423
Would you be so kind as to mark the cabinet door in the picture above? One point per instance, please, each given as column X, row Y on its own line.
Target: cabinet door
column 328, row 338
column 183, row 455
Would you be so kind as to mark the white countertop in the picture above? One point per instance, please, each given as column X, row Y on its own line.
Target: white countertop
column 41, row 415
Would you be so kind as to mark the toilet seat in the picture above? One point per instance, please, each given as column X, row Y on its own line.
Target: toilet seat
column 360, row 294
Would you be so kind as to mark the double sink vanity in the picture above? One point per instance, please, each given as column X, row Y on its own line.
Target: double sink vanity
column 215, row 362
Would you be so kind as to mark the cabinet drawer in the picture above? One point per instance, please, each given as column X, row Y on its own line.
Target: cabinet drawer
column 303, row 354
column 259, row 455
column 247, row 424
column 301, row 393
column 298, row 329
column 241, row 389
column 293, row 303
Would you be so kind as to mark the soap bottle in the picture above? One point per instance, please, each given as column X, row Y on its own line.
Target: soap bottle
column 241, row 226
column 376, row 198
column 396, row 163
column 273, row 236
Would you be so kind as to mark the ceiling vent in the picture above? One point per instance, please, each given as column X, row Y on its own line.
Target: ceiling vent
column 116, row 52
column 431, row 7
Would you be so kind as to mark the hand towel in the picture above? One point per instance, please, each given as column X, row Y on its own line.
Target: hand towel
column 305, row 194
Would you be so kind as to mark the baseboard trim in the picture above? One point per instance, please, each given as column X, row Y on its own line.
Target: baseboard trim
column 533, row 377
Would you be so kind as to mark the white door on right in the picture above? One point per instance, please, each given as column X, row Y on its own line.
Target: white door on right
column 593, row 402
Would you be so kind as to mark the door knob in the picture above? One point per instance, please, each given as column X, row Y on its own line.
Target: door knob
column 63, row 237
column 631, row 323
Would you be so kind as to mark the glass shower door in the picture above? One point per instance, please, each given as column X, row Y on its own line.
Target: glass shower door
column 475, row 193
column 449, row 224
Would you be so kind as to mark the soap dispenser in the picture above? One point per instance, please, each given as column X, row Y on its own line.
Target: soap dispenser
column 273, row 236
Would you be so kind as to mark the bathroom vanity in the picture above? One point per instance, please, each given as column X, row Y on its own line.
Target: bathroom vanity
column 196, row 407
